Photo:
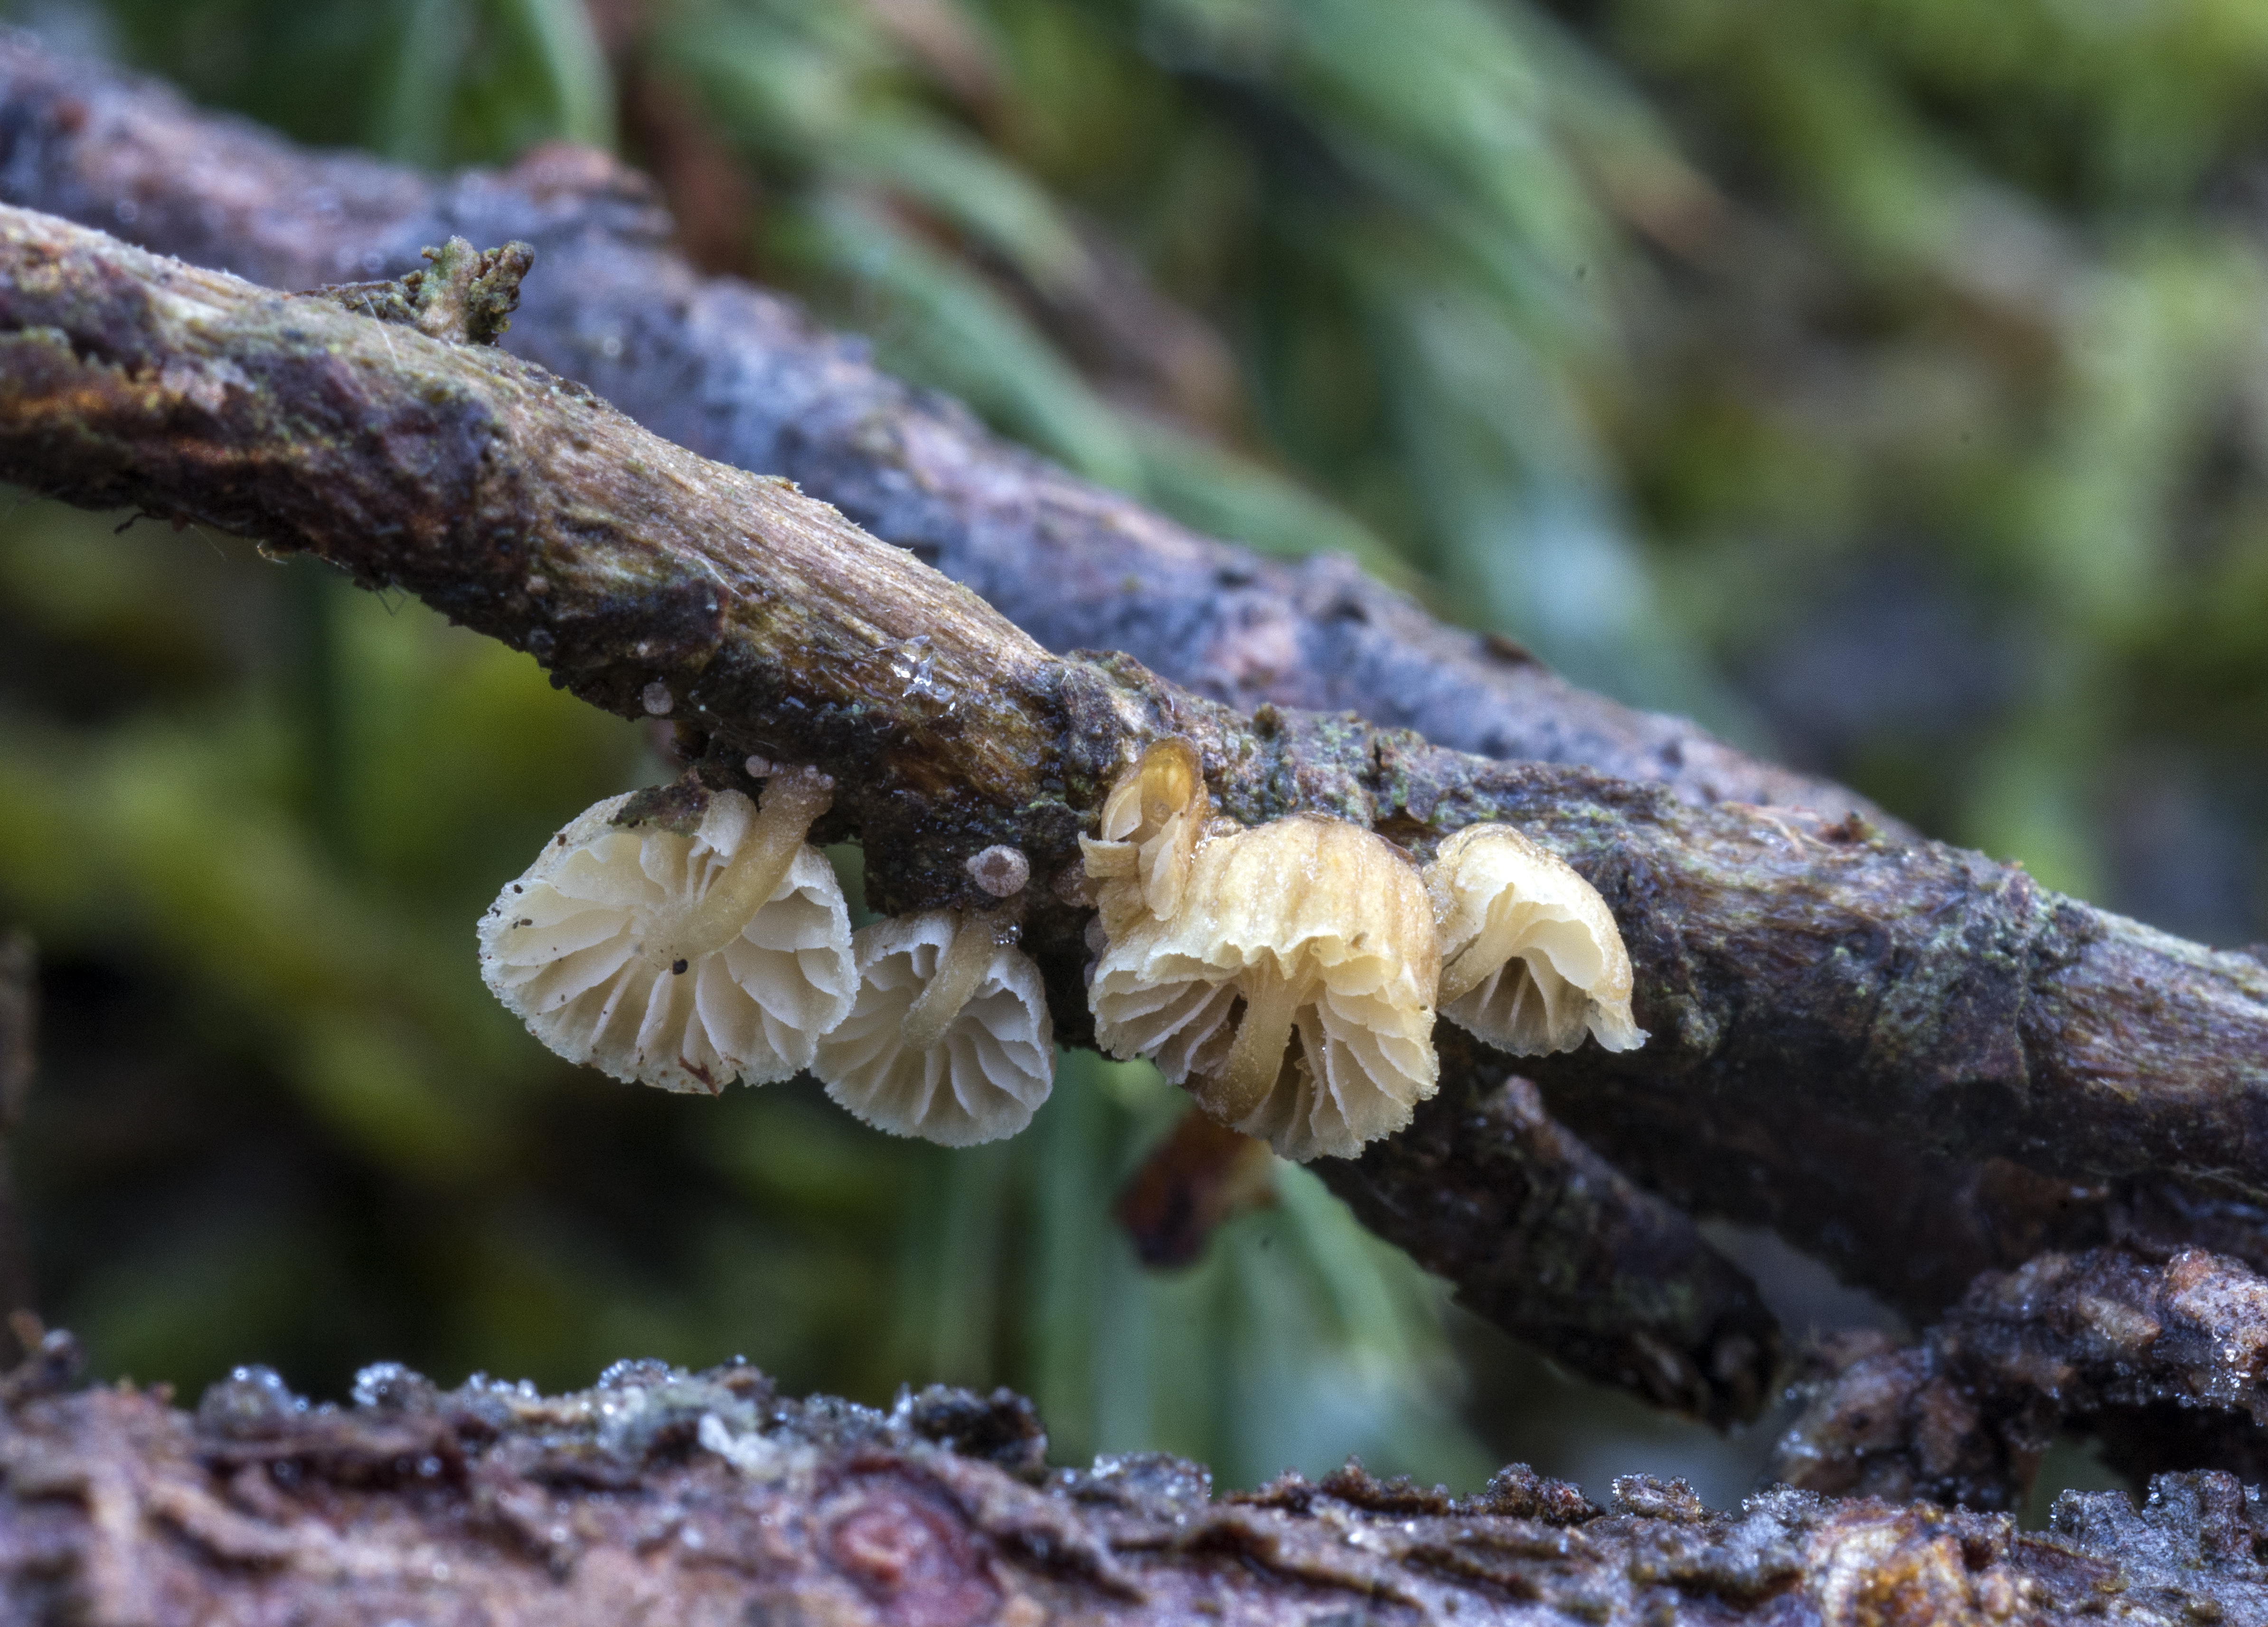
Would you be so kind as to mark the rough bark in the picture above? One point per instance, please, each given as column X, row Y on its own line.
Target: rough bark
column 742, row 376
column 665, row 1495
column 2110, row 1334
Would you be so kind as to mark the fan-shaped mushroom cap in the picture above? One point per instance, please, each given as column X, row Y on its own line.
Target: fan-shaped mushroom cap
column 1531, row 957
column 704, row 941
column 1151, row 825
column 1321, row 931
column 950, row 1039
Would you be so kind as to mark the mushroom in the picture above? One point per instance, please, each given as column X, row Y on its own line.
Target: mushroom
column 1151, row 823
column 680, row 936
column 1291, row 990
column 950, row 1039
column 1532, row 959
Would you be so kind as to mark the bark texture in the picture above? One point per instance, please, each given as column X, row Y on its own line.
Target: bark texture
column 664, row 1495
column 2110, row 1338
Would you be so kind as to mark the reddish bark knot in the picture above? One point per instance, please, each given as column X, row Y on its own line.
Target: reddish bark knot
column 909, row 1557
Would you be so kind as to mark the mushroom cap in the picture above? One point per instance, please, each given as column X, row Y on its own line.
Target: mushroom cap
column 1534, row 960
column 982, row 1081
column 566, row 948
column 1339, row 915
column 1151, row 825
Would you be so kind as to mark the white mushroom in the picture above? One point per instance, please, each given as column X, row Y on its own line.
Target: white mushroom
column 1291, row 991
column 679, row 937
column 1532, row 959
column 950, row 1039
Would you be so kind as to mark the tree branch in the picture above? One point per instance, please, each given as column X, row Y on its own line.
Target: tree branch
column 741, row 375
column 665, row 1495
column 1964, row 1416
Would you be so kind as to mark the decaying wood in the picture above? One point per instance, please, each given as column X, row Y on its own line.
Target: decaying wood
column 664, row 1495
column 1780, row 956
column 1964, row 1416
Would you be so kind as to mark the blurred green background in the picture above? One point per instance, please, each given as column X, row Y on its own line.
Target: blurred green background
column 1883, row 382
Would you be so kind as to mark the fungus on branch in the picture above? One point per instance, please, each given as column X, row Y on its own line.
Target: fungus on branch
column 680, row 936
column 1291, row 992
column 950, row 1038
column 1151, row 823
column 1532, row 958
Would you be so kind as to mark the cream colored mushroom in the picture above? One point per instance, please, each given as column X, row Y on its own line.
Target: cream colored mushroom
column 1291, row 992
column 1151, row 823
column 950, row 1039
column 680, row 938
column 1532, row 959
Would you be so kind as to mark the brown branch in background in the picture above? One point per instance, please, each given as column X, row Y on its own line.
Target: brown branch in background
column 664, row 1495
column 19, row 1012
column 1964, row 1416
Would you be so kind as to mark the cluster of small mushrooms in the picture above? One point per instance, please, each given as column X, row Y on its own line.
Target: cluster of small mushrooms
column 1286, row 975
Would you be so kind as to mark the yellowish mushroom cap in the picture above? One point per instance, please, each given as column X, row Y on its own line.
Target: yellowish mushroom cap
column 1291, row 991
column 950, row 1039
column 1151, row 825
column 1531, row 957
column 680, row 951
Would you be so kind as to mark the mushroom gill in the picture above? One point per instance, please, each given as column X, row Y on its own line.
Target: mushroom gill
column 1532, row 959
column 680, row 936
column 1291, row 992
column 950, row 1038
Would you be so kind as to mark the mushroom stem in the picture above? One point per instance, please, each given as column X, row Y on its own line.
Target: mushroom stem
column 791, row 801
column 959, row 970
column 1255, row 1060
